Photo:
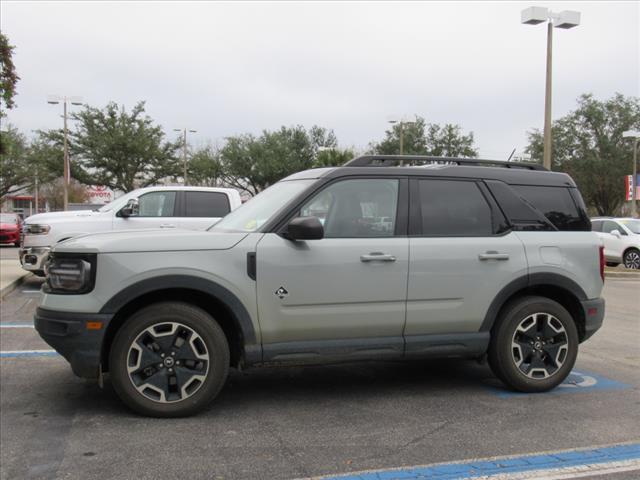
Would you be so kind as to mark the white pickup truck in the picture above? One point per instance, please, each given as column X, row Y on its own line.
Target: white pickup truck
column 195, row 208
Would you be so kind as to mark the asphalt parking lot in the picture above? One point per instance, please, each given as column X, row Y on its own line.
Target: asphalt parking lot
column 301, row 422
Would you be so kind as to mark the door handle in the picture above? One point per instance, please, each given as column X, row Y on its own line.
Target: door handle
column 377, row 257
column 493, row 255
column 167, row 225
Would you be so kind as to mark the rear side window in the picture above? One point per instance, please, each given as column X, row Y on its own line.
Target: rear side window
column 454, row 208
column 206, row 204
column 596, row 225
column 556, row 204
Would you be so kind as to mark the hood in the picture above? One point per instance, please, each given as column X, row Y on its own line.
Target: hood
column 149, row 240
column 52, row 217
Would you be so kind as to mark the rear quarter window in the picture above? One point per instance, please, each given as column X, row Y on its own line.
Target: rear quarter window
column 206, row 204
column 557, row 205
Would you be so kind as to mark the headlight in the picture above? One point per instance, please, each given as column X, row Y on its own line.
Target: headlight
column 36, row 229
column 70, row 273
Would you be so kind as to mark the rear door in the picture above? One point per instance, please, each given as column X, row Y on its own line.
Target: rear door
column 460, row 257
column 202, row 209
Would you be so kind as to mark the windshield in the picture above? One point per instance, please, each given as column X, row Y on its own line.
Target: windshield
column 255, row 213
column 8, row 218
column 633, row 225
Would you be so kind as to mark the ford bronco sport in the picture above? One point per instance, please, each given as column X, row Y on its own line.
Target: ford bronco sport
column 387, row 257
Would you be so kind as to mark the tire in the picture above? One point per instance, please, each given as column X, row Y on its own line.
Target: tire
column 169, row 359
column 534, row 344
column 612, row 264
column 39, row 273
column 631, row 259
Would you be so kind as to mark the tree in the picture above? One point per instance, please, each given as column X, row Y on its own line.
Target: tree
column 253, row 163
column 205, row 168
column 53, row 191
column 14, row 168
column 117, row 149
column 333, row 157
column 588, row 145
column 421, row 138
column 8, row 76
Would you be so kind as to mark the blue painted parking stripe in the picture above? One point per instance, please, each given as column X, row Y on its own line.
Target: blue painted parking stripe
column 576, row 382
column 28, row 353
column 557, row 461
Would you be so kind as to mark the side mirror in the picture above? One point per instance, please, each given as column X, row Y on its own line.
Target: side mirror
column 130, row 209
column 616, row 233
column 305, row 228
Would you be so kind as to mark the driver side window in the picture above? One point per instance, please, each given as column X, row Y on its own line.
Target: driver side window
column 157, row 204
column 610, row 226
column 358, row 208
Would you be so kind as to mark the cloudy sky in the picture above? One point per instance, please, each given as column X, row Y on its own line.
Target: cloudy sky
column 227, row 68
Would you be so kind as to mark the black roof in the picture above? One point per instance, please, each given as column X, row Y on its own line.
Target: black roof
column 513, row 173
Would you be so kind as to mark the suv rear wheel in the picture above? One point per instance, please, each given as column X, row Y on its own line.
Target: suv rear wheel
column 169, row 360
column 632, row 259
column 533, row 345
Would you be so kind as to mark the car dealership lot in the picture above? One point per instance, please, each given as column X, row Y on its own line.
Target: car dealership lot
column 306, row 421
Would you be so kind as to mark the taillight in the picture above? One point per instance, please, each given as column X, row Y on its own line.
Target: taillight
column 602, row 262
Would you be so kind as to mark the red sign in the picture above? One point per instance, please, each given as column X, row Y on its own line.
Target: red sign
column 628, row 187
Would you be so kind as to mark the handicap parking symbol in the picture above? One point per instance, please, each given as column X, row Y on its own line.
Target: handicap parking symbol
column 576, row 382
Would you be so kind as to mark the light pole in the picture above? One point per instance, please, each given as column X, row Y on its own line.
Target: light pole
column 635, row 135
column 55, row 100
column 184, row 148
column 565, row 19
column 402, row 122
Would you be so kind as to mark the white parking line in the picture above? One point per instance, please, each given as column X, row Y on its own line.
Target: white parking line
column 16, row 325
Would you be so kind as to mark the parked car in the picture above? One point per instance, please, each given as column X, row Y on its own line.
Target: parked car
column 481, row 260
column 10, row 226
column 195, row 208
column 621, row 239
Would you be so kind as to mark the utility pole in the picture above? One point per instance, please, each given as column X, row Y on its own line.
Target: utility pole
column 546, row 161
column 37, row 200
column 54, row 100
column 184, row 150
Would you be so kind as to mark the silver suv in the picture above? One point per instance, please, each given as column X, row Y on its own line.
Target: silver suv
column 383, row 258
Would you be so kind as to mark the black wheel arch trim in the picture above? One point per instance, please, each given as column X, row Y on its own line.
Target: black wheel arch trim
column 530, row 280
column 166, row 282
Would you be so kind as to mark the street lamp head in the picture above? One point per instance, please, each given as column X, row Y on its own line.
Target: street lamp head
column 567, row 19
column 53, row 99
column 631, row 134
column 534, row 15
column 193, row 131
column 177, row 129
column 75, row 100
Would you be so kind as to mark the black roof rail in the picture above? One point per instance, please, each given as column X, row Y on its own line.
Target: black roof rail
column 412, row 160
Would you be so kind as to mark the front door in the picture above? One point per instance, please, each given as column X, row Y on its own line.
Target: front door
column 155, row 210
column 342, row 294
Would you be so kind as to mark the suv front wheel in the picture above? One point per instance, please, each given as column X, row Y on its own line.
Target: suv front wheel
column 534, row 344
column 169, row 360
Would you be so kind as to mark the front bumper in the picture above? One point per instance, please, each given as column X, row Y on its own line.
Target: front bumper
column 69, row 335
column 34, row 258
column 10, row 236
column 594, row 316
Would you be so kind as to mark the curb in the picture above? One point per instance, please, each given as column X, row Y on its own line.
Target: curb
column 13, row 285
column 627, row 275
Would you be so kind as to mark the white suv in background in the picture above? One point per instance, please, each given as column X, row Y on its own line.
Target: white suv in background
column 194, row 208
column 621, row 238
